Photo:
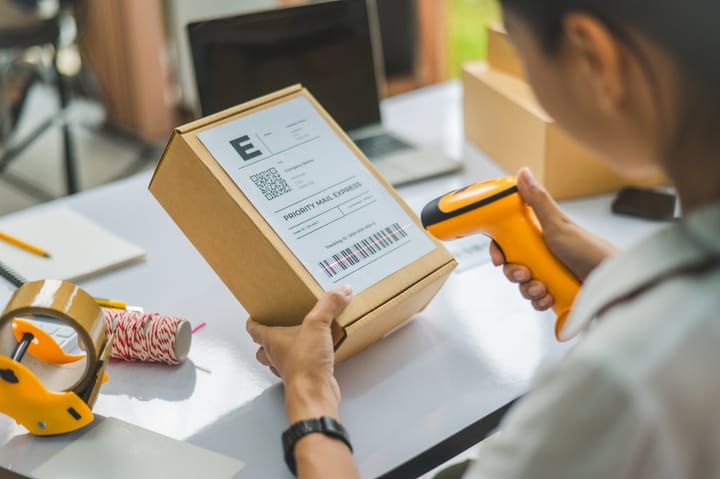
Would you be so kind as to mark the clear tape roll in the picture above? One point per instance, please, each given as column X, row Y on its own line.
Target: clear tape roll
column 65, row 302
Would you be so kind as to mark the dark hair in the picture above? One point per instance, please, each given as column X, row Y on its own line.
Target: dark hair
column 688, row 31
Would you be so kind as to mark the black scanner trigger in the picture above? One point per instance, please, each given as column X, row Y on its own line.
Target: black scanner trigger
column 497, row 245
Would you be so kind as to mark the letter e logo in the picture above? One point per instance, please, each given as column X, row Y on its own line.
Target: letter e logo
column 245, row 149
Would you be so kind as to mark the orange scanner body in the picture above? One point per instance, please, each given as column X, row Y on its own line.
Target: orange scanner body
column 494, row 208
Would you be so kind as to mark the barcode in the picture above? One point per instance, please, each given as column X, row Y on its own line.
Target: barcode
column 362, row 250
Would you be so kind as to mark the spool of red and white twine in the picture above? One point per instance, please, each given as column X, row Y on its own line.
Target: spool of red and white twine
column 148, row 336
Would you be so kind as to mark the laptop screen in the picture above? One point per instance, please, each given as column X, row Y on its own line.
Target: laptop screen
column 325, row 46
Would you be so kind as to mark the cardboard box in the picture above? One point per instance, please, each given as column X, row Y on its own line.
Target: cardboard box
column 268, row 278
column 501, row 55
column 127, row 49
column 504, row 119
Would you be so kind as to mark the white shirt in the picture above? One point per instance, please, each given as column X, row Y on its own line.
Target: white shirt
column 639, row 395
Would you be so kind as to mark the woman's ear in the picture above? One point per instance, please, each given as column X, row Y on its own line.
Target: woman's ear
column 596, row 59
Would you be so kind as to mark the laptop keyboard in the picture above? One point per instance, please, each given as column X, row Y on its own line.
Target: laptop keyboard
column 376, row 146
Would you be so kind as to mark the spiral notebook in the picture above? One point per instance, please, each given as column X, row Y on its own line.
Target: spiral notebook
column 79, row 248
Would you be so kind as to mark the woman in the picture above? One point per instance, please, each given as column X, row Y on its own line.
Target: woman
column 638, row 81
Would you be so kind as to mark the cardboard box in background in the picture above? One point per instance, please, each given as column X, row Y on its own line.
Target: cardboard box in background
column 504, row 119
column 125, row 45
column 501, row 55
column 252, row 260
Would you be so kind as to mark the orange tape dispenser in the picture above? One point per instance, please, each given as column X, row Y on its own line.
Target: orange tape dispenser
column 43, row 387
column 494, row 208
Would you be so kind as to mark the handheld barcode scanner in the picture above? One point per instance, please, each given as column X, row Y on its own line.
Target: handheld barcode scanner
column 494, row 208
column 43, row 387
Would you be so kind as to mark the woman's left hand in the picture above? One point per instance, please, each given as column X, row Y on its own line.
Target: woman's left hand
column 304, row 356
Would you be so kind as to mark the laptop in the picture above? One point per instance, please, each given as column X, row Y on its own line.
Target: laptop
column 332, row 48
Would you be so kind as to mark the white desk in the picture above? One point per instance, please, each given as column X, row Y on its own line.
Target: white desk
column 474, row 349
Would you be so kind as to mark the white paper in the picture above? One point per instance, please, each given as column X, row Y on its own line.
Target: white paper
column 470, row 252
column 114, row 449
column 332, row 213
column 78, row 246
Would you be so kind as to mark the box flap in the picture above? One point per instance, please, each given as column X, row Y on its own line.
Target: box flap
column 378, row 322
column 501, row 54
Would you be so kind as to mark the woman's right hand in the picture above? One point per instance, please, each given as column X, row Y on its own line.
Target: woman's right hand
column 578, row 249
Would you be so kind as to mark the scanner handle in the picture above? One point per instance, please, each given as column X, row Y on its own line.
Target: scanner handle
column 522, row 241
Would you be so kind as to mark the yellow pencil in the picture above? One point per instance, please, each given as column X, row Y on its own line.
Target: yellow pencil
column 24, row 245
column 110, row 303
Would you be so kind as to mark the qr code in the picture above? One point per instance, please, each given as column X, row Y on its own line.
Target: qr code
column 271, row 184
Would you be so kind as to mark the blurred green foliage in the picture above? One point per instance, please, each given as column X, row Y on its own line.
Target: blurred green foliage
column 468, row 20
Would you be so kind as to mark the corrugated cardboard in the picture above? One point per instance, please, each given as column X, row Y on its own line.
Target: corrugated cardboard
column 501, row 55
column 264, row 275
column 503, row 118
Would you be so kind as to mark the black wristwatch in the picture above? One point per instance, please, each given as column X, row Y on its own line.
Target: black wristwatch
column 326, row 425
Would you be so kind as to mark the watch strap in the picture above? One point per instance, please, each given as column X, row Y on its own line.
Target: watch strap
column 325, row 425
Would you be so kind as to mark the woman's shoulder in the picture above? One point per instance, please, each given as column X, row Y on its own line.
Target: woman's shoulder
column 671, row 270
column 663, row 340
